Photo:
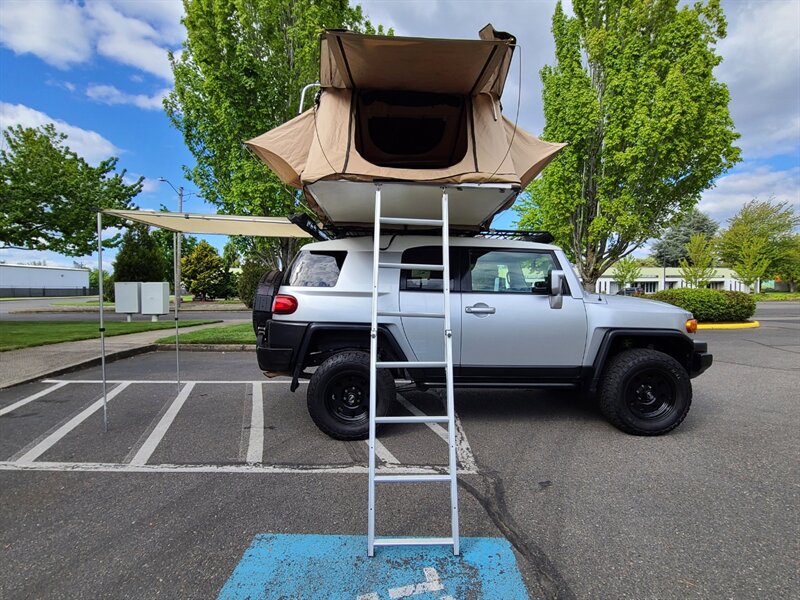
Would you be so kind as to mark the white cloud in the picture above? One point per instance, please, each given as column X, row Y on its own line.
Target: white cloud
column 89, row 144
column 764, row 183
column 108, row 94
column 56, row 32
column 63, row 33
column 762, row 69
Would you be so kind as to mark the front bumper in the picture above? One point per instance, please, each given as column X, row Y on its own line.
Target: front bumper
column 701, row 359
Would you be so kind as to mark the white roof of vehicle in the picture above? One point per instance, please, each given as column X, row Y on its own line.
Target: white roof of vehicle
column 395, row 243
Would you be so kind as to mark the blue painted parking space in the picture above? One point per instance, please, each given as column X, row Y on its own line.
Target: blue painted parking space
column 278, row 566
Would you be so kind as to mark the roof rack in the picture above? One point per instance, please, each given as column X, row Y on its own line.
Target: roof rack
column 333, row 232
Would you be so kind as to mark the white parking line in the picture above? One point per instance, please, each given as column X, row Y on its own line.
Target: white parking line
column 382, row 453
column 255, row 449
column 197, row 381
column 48, row 442
column 31, row 398
column 150, row 444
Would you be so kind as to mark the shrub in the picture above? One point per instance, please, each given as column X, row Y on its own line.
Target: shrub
column 252, row 271
column 710, row 306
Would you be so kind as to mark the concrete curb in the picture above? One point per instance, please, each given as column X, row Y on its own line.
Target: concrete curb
column 83, row 364
column 208, row 347
column 747, row 325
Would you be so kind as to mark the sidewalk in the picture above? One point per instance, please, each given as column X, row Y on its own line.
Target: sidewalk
column 28, row 364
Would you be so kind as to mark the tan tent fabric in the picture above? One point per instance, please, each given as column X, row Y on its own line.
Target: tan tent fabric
column 374, row 62
column 214, row 224
column 406, row 109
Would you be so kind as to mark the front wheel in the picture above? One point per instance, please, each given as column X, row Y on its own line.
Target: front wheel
column 645, row 392
column 338, row 395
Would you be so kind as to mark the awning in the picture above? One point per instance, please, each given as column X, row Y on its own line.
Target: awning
column 214, row 224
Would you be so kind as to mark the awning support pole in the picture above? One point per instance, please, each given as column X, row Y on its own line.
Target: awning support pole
column 176, row 287
column 102, row 322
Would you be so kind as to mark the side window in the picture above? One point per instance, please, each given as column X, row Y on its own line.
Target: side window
column 426, row 280
column 509, row 272
column 314, row 268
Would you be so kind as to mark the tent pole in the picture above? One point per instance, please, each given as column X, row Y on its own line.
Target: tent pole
column 176, row 248
column 102, row 322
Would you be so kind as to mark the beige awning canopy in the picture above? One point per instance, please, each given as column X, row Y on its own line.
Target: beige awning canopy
column 376, row 62
column 213, row 224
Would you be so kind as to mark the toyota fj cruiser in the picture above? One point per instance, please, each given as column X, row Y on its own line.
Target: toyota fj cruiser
column 520, row 319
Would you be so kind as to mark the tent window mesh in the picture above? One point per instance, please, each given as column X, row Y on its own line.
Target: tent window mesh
column 411, row 130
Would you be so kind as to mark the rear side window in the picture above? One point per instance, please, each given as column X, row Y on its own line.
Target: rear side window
column 315, row 268
column 426, row 280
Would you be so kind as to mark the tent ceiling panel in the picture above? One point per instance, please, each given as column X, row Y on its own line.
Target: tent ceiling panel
column 352, row 202
column 373, row 62
column 214, row 224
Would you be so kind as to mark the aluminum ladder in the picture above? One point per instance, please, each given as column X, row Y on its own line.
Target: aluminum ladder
column 446, row 364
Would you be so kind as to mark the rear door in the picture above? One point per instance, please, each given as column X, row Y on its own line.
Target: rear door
column 421, row 291
column 507, row 327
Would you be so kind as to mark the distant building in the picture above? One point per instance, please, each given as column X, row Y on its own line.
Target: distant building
column 655, row 279
column 21, row 281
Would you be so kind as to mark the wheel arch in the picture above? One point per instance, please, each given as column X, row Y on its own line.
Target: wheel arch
column 321, row 340
column 673, row 343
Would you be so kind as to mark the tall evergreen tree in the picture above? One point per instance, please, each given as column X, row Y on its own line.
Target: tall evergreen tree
column 139, row 258
column 672, row 247
column 633, row 93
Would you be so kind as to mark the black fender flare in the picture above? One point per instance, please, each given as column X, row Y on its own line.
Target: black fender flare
column 610, row 336
column 385, row 337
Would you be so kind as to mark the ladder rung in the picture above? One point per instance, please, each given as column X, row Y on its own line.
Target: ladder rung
column 411, row 541
column 408, row 364
column 402, row 221
column 412, row 478
column 422, row 419
column 400, row 313
column 411, row 266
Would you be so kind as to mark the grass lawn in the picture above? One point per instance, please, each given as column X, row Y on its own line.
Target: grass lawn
column 111, row 304
column 232, row 334
column 777, row 296
column 25, row 334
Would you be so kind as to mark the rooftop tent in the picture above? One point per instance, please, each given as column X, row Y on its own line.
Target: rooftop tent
column 396, row 109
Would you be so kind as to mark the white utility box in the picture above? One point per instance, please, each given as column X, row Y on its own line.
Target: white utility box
column 127, row 297
column 155, row 298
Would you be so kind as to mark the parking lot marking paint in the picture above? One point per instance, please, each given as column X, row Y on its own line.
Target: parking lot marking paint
column 48, row 442
column 170, row 381
column 31, row 398
column 463, row 450
column 382, row 453
column 336, row 567
column 79, row 467
column 155, row 437
column 255, row 449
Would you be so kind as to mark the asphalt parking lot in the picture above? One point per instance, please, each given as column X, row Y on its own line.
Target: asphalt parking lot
column 167, row 502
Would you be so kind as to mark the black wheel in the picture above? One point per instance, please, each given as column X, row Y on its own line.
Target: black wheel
column 338, row 395
column 645, row 392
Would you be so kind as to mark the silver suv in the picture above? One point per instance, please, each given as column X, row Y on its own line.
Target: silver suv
column 512, row 328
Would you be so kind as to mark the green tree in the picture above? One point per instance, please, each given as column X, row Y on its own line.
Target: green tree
column 50, row 194
column 253, row 270
column 697, row 268
column 633, row 93
column 765, row 221
column 203, row 271
column 788, row 269
column 164, row 239
column 243, row 65
column 139, row 257
column 626, row 271
column 753, row 262
column 672, row 247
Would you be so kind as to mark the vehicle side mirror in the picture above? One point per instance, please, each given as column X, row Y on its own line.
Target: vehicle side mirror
column 556, row 286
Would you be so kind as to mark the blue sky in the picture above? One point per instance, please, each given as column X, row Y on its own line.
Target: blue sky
column 99, row 70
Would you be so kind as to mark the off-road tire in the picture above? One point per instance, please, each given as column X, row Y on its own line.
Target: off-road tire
column 346, row 374
column 645, row 392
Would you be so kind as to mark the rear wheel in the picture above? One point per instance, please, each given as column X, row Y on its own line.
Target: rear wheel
column 338, row 395
column 645, row 392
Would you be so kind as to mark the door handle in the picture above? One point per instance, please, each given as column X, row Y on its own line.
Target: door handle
column 480, row 309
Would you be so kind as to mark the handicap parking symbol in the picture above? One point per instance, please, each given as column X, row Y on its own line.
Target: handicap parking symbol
column 336, row 567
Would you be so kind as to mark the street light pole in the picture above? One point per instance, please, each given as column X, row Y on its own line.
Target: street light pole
column 177, row 284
